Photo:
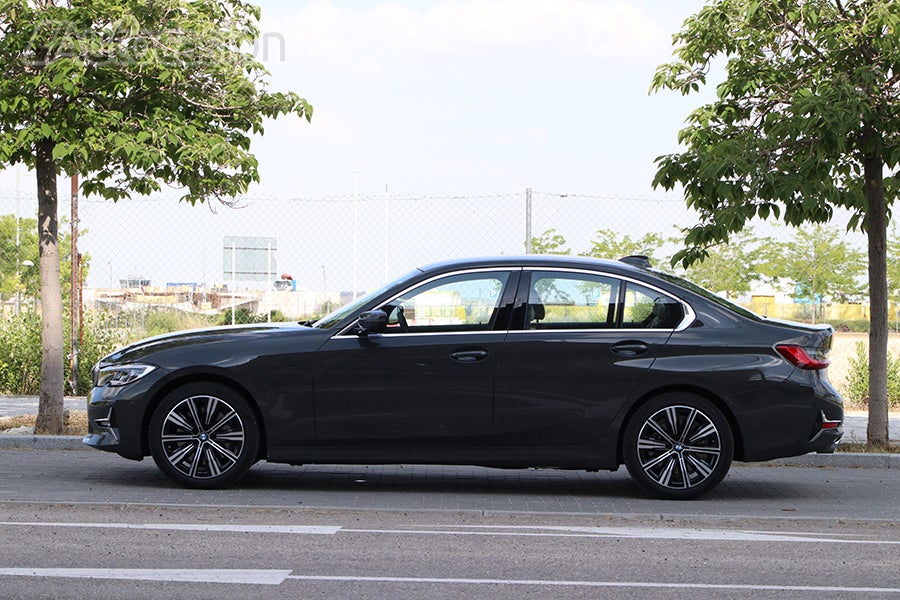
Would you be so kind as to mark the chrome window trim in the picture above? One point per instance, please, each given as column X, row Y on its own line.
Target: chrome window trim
column 689, row 314
column 509, row 269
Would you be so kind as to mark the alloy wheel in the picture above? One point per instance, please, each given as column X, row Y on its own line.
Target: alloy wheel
column 679, row 447
column 202, row 437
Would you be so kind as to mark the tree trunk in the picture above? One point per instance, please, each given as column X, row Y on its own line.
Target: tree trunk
column 50, row 418
column 877, row 433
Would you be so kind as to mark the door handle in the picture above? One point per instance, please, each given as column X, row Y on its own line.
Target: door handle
column 629, row 348
column 469, row 356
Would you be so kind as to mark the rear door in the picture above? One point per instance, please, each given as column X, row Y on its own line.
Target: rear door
column 579, row 344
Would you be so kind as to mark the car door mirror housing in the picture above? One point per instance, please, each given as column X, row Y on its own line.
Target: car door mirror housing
column 371, row 321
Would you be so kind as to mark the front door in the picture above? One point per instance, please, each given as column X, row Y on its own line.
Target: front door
column 427, row 379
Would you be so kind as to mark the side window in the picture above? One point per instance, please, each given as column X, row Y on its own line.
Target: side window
column 648, row 309
column 467, row 302
column 571, row 301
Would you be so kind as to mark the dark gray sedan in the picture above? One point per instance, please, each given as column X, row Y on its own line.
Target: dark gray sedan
column 509, row 362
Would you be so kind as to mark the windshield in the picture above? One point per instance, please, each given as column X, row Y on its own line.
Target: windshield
column 708, row 295
column 352, row 308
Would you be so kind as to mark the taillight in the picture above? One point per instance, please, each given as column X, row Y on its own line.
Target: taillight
column 800, row 358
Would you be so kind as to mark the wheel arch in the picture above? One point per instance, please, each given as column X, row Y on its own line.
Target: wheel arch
column 191, row 378
column 697, row 391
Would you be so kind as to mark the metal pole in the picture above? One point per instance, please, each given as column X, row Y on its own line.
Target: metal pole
column 385, row 232
column 528, row 248
column 18, row 302
column 268, row 281
column 75, row 317
column 233, row 282
column 355, row 231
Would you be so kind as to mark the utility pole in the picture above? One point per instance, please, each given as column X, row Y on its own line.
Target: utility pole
column 18, row 303
column 76, row 308
column 528, row 249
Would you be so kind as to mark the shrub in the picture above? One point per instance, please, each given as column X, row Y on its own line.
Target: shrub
column 852, row 326
column 243, row 316
column 857, row 386
column 20, row 354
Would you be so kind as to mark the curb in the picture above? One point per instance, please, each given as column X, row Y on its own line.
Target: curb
column 846, row 460
column 41, row 442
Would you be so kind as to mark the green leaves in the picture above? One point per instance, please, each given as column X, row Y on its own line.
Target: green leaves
column 135, row 95
column 810, row 90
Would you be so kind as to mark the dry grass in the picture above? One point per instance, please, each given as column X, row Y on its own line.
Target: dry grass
column 76, row 422
column 892, row 448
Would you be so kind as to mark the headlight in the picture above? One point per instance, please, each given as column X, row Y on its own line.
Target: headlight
column 119, row 375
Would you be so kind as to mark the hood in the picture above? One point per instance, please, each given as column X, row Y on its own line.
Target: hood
column 140, row 350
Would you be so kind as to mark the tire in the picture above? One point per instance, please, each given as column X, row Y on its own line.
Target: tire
column 678, row 446
column 204, row 435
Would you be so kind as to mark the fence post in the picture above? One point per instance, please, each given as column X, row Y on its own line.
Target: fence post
column 75, row 283
column 528, row 221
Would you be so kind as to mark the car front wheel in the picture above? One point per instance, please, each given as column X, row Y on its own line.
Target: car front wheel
column 204, row 435
column 678, row 446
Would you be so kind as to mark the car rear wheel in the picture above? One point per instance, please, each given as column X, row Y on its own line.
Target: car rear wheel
column 204, row 435
column 678, row 446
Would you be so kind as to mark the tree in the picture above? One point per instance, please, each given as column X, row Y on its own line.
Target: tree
column 131, row 95
column 732, row 267
column 822, row 265
column 549, row 242
column 16, row 277
column 612, row 245
column 26, row 255
column 893, row 267
column 807, row 119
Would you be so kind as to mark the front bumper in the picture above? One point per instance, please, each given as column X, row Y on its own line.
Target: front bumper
column 117, row 417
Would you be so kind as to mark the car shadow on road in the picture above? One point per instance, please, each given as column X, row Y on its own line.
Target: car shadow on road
column 337, row 484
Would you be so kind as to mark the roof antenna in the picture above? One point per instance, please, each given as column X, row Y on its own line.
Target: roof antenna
column 638, row 260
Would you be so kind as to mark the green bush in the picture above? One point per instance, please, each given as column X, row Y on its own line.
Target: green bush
column 243, row 316
column 851, row 326
column 20, row 354
column 21, row 347
column 857, row 387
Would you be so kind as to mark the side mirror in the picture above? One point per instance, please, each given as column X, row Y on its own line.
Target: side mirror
column 372, row 321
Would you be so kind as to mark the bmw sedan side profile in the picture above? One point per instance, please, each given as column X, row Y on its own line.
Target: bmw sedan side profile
column 513, row 362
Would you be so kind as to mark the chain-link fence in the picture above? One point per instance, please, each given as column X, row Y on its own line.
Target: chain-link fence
column 302, row 256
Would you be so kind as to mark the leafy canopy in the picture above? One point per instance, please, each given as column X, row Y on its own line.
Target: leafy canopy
column 24, row 258
column 812, row 89
column 822, row 264
column 734, row 267
column 133, row 93
column 613, row 246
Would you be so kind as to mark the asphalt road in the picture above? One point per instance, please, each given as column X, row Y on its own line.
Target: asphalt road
column 110, row 551
column 89, row 524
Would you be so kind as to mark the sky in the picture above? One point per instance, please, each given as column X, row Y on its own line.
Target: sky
column 470, row 96
column 429, row 98
column 466, row 96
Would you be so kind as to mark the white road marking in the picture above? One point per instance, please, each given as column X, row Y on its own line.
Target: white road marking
column 602, row 584
column 548, row 531
column 233, row 576
column 640, row 533
column 280, row 576
column 292, row 529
